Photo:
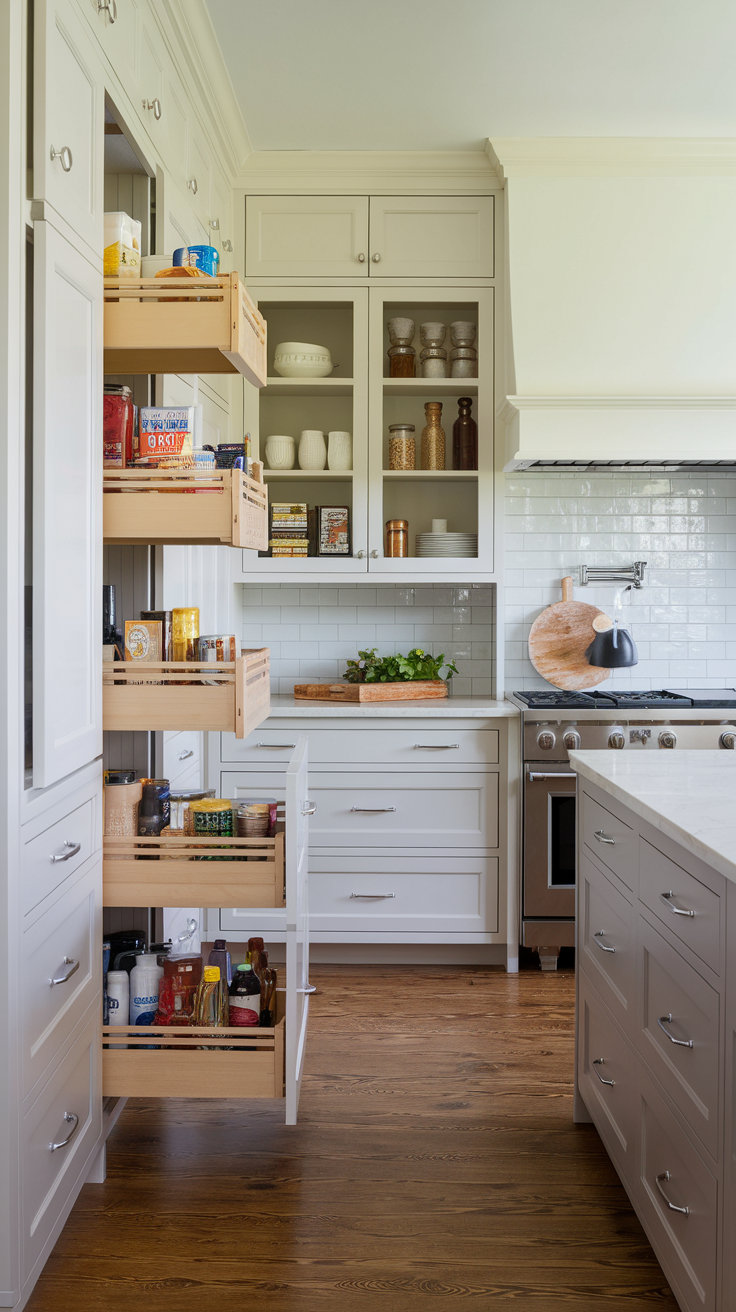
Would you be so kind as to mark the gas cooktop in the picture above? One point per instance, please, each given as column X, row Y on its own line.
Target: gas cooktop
column 666, row 699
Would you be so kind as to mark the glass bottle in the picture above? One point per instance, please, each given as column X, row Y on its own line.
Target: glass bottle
column 464, row 436
column 185, row 632
column 433, row 437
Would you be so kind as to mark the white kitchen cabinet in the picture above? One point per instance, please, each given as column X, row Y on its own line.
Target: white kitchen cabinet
column 117, row 28
column 67, row 509
column 312, row 236
column 152, row 66
column 198, row 173
column 441, row 893
column 68, row 116
column 431, row 236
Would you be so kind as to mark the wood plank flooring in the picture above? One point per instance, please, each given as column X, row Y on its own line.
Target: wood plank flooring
column 435, row 1161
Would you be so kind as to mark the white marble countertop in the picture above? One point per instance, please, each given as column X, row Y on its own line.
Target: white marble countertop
column 455, row 708
column 688, row 795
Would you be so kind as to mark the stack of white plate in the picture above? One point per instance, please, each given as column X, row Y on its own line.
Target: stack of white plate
column 447, row 544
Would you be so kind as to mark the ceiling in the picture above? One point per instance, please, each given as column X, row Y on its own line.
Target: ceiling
column 441, row 75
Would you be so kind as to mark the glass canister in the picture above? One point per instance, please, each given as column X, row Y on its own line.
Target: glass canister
column 464, row 362
column 117, row 426
column 402, row 447
column 185, row 632
column 433, row 437
column 182, row 821
column 434, row 362
column 122, row 797
column 465, row 436
column 402, row 361
column 397, row 537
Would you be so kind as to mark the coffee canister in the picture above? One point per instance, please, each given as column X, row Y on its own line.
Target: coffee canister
column 397, row 537
column 121, row 799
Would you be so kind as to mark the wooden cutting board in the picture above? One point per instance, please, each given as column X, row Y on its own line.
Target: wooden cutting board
column 559, row 639
column 419, row 689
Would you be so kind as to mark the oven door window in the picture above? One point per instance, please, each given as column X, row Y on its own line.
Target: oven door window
column 561, row 842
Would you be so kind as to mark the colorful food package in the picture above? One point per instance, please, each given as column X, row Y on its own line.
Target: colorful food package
column 122, row 252
column 165, row 431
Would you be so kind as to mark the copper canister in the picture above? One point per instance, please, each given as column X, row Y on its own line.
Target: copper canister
column 397, row 537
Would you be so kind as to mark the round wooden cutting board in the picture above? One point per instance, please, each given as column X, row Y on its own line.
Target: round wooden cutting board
column 559, row 639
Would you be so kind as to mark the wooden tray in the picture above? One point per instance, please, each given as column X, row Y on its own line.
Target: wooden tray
column 169, row 326
column 158, row 506
column 178, row 879
column 183, row 1070
column 230, row 696
column 419, row 690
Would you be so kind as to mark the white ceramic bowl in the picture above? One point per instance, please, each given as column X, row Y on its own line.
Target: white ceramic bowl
column 302, row 360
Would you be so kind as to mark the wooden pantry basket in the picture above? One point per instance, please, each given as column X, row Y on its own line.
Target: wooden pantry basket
column 177, row 878
column 193, row 506
column 229, row 696
column 169, row 326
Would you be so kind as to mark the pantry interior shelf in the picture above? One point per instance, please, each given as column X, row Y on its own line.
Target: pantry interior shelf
column 228, row 507
column 340, row 474
column 229, row 696
column 309, row 386
column 176, row 870
column 168, row 326
column 430, row 386
column 430, row 475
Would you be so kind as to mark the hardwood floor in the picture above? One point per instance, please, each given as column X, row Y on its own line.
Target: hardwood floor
column 435, row 1160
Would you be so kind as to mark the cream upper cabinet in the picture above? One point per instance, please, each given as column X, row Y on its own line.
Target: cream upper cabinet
column 306, row 236
column 117, row 28
column 68, row 122
column 431, row 236
column 151, row 84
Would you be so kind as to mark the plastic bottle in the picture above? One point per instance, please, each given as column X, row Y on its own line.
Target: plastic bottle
column 245, row 997
column 118, row 1000
column 211, row 1002
column 220, row 957
column 144, row 978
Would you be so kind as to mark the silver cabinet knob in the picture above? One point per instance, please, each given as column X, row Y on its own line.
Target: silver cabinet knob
column 215, row 225
column 376, row 258
column 616, row 740
column 108, row 7
column 65, row 156
column 375, row 554
column 155, row 105
column 192, row 185
column 727, row 740
column 361, row 258
column 227, row 244
column 571, row 740
column 359, row 555
column 546, row 740
column 668, row 738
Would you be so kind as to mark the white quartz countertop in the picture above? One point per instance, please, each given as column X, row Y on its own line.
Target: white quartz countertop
column 454, row 708
column 688, row 795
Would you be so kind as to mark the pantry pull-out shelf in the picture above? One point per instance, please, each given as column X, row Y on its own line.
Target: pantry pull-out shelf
column 199, row 507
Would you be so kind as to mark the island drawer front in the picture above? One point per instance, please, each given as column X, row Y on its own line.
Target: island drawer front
column 608, row 941
column 690, row 910
column 691, row 1075
column 604, row 1055
column 393, row 810
column 686, row 1245
column 360, row 746
column 613, row 841
column 414, row 894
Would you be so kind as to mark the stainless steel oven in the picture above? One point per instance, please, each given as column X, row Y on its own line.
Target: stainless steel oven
column 549, row 840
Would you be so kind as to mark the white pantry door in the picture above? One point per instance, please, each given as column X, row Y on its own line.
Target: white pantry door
column 298, row 810
column 67, row 509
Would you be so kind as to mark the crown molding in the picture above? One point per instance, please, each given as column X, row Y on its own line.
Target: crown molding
column 199, row 52
column 612, row 157
column 512, row 404
column 340, row 172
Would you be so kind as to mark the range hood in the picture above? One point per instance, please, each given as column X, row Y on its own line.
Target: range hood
column 620, row 303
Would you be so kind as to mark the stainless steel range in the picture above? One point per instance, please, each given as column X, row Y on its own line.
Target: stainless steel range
column 556, row 723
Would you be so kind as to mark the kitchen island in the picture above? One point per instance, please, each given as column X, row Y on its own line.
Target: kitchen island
column 656, row 999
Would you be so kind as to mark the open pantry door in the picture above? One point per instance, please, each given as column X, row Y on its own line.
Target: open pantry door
column 298, row 988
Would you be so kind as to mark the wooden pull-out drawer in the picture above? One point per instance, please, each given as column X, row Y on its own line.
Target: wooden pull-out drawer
column 689, row 909
column 607, row 1079
column 607, row 940
column 679, row 1033
column 612, row 840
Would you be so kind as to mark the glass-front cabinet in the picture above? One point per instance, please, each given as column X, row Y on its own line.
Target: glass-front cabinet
column 340, row 430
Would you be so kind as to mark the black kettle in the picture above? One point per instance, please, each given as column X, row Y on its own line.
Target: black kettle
column 613, row 649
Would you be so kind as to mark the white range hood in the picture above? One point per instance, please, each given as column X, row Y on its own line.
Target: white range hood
column 621, row 302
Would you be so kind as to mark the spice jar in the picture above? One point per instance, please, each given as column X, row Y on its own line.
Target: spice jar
column 402, row 360
column 433, row 437
column 402, row 447
column 397, row 537
column 465, row 436
column 185, row 632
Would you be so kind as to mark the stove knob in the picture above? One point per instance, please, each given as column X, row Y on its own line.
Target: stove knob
column 728, row 740
column 572, row 740
column 668, row 738
column 546, row 740
column 616, row 739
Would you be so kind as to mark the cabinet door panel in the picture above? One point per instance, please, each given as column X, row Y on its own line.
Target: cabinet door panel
column 152, row 78
column 67, row 509
column 306, row 236
column 68, row 115
column 607, row 947
column 431, row 236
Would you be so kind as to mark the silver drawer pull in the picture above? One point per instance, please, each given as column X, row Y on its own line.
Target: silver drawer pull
column 67, row 974
column 598, row 936
column 276, row 747
column 600, row 1061
column 374, row 897
column 373, row 810
column 309, row 808
column 684, row 1211
column 663, row 1021
column 436, row 747
column 68, row 849
column 604, row 838
column 72, row 1119
column 538, row 774
column 184, row 756
column 65, row 155
column 676, row 911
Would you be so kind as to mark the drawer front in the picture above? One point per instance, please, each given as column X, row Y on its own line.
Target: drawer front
column 182, row 758
column 607, row 1079
column 673, row 1173
column 62, row 945
column 362, row 746
column 409, row 895
column 607, row 940
column 49, row 1177
column 690, row 1074
column 690, row 910
column 386, row 810
column 56, row 852
column 613, row 842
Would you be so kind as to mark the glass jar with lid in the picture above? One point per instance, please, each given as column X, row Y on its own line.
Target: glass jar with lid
column 402, row 361
column 402, row 446
column 397, row 537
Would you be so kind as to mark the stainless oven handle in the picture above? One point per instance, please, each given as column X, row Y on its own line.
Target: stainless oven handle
column 534, row 775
